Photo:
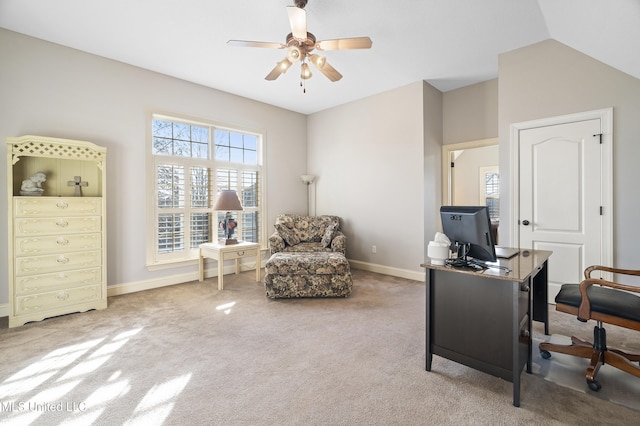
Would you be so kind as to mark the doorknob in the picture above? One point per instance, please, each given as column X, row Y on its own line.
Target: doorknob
column 525, row 222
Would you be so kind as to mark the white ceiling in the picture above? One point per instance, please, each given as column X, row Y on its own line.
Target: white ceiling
column 448, row 43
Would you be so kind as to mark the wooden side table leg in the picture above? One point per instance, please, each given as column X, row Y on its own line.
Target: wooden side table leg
column 200, row 266
column 220, row 272
column 237, row 266
column 258, row 264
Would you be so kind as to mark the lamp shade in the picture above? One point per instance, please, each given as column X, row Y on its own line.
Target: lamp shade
column 228, row 201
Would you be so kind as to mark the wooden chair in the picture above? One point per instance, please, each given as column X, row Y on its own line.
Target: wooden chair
column 605, row 302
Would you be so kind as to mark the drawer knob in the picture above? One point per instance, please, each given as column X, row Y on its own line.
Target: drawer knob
column 241, row 253
column 525, row 288
column 62, row 260
column 524, row 333
column 62, row 204
column 62, row 223
column 63, row 295
column 62, row 241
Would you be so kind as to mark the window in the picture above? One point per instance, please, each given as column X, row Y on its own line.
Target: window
column 192, row 163
column 490, row 191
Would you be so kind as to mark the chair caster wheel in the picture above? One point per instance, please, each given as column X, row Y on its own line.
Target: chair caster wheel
column 594, row 385
column 545, row 354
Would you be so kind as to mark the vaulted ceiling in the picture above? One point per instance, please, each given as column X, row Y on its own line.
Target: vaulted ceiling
column 450, row 44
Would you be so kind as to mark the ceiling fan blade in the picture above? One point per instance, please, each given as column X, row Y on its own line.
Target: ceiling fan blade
column 345, row 43
column 323, row 66
column 298, row 22
column 247, row 43
column 280, row 68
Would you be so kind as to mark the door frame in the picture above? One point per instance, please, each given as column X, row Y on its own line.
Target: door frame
column 447, row 174
column 606, row 122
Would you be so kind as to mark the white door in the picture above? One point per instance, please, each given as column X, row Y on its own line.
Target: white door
column 561, row 197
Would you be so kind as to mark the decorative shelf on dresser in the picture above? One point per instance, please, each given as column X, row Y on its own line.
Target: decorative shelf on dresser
column 57, row 227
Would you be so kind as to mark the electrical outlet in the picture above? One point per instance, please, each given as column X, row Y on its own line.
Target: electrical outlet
column 374, row 249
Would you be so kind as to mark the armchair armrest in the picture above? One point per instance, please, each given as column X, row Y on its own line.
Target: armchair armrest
column 590, row 269
column 584, row 311
column 276, row 243
column 339, row 243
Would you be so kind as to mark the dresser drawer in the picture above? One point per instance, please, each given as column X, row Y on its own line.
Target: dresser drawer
column 56, row 299
column 57, row 225
column 30, row 246
column 54, row 206
column 29, row 265
column 42, row 283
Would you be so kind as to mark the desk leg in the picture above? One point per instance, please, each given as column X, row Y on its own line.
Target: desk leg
column 428, row 353
column 221, row 272
column 237, row 266
column 540, row 297
column 200, row 266
column 258, row 263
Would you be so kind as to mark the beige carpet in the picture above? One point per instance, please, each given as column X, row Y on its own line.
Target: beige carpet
column 192, row 355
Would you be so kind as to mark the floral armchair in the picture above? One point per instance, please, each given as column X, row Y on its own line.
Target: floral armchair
column 297, row 233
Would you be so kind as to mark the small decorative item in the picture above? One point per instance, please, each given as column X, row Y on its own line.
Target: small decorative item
column 78, row 183
column 229, row 225
column 33, row 185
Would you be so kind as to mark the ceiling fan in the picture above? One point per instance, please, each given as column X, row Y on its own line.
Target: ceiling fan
column 301, row 43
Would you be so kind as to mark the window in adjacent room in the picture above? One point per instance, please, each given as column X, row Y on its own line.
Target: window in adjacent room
column 490, row 191
column 192, row 163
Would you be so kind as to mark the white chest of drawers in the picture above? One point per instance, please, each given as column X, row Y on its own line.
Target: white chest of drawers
column 57, row 259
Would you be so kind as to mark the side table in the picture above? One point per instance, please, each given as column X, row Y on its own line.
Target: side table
column 228, row 252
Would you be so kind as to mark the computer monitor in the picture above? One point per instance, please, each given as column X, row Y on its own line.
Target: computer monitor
column 469, row 229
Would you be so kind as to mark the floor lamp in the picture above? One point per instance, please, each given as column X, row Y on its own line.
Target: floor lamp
column 308, row 180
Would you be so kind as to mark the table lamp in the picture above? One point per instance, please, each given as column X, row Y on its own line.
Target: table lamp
column 228, row 201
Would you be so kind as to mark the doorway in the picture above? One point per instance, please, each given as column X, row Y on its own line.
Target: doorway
column 450, row 154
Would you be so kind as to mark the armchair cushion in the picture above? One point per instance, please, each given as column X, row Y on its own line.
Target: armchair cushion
column 287, row 234
column 329, row 233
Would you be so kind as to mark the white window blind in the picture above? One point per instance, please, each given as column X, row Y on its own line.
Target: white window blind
column 192, row 163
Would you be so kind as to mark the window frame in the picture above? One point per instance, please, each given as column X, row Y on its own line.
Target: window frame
column 157, row 260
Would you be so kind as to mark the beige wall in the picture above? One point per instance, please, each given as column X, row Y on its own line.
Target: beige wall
column 470, row 113
column 50, row 90
column 549, row 79
column 368, row 156
column 466, row 188
column 433, row 130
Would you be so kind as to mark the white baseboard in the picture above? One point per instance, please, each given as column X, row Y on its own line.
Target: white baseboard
column 388, row 270
column 132, row 287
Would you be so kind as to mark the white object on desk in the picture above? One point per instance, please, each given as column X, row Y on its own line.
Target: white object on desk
column 228, row 252
column 438, row 252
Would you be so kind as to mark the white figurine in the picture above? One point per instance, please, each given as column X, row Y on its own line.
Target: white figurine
column 33, row 185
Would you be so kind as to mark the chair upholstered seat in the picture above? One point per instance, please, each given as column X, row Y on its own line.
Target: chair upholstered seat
column 603, row 300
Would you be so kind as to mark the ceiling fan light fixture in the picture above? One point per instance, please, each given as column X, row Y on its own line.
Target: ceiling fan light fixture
column 305, row 71
column 284, row 65
column 318, row 60
column 294, row 54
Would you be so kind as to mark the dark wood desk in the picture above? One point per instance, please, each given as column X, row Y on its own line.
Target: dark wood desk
column 483, row 319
